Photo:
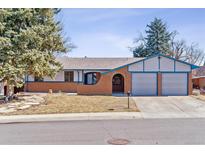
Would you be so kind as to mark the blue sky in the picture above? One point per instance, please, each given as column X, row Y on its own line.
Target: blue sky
column 109, row 32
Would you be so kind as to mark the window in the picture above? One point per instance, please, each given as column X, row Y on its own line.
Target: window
column 68, row 76
column 38, row 79
column 90, row 78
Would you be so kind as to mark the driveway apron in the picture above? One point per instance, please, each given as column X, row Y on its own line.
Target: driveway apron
column 170, row 106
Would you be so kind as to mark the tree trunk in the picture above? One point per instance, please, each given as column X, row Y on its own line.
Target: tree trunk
column 10, row 90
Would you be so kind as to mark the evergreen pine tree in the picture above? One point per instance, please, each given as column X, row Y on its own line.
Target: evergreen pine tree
column 140, row 51
column 157, row 38
column 29, row 39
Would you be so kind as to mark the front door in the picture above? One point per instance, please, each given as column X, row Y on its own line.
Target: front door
column 117, row 83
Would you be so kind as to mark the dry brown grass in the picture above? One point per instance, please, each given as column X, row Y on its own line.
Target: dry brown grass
column 62, row 103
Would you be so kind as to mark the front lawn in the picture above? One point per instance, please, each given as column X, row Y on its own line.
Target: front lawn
column 63, row 103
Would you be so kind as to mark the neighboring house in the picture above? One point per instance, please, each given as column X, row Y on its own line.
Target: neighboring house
column 151, row 76
column 198, row 77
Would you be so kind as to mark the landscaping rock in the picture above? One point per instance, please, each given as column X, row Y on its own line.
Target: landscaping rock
column 24, row 102
column 3, row 108
column 196, row 92
column 18, row 103
column 6, row 110
column 2, row 101
column 12, row 106
column 23, row 107
column 32, row 103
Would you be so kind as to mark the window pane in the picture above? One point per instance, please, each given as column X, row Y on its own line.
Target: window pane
column 94, row 78
column 68, row 76
column 38, row 79
column 90, row 78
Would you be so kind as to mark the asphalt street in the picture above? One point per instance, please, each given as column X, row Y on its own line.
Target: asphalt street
column 138, row 131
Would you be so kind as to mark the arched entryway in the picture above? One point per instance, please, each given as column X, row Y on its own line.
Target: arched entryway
column 117, row 83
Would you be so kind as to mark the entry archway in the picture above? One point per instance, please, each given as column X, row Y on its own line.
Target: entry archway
column 117, row 83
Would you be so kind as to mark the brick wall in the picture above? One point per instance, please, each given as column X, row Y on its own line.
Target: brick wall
column 195, row 82
column 159, row 82
column 55, row 86
column 200, row 82
column 104, row 85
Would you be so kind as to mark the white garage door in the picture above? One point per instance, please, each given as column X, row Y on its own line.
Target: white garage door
column 144, row 84
column 174, row 84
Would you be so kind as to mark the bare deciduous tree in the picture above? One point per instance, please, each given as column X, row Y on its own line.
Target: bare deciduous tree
column 189, row 53
column 194, row 55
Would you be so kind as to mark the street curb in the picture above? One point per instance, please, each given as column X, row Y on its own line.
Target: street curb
column 94, row 116
column 69, row 117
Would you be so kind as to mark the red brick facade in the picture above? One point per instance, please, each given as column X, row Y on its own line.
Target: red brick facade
column 159, row 82
column 199, row 82
column 55, row 86
column 102, row 87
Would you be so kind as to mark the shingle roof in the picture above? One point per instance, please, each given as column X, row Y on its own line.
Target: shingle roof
column 95, row 63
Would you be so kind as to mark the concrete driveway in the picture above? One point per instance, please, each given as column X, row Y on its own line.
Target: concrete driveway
column 171, row 106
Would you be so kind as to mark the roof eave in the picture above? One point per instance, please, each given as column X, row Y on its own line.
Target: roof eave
column 194, row 67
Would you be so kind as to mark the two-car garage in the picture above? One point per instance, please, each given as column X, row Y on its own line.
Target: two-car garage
column 160, row 75
column 149, row 84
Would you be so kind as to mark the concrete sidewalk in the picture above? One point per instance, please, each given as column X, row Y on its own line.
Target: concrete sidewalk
column 94, row 116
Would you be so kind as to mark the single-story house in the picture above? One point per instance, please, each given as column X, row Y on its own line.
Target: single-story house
column 198, row 78
column 152, row 76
